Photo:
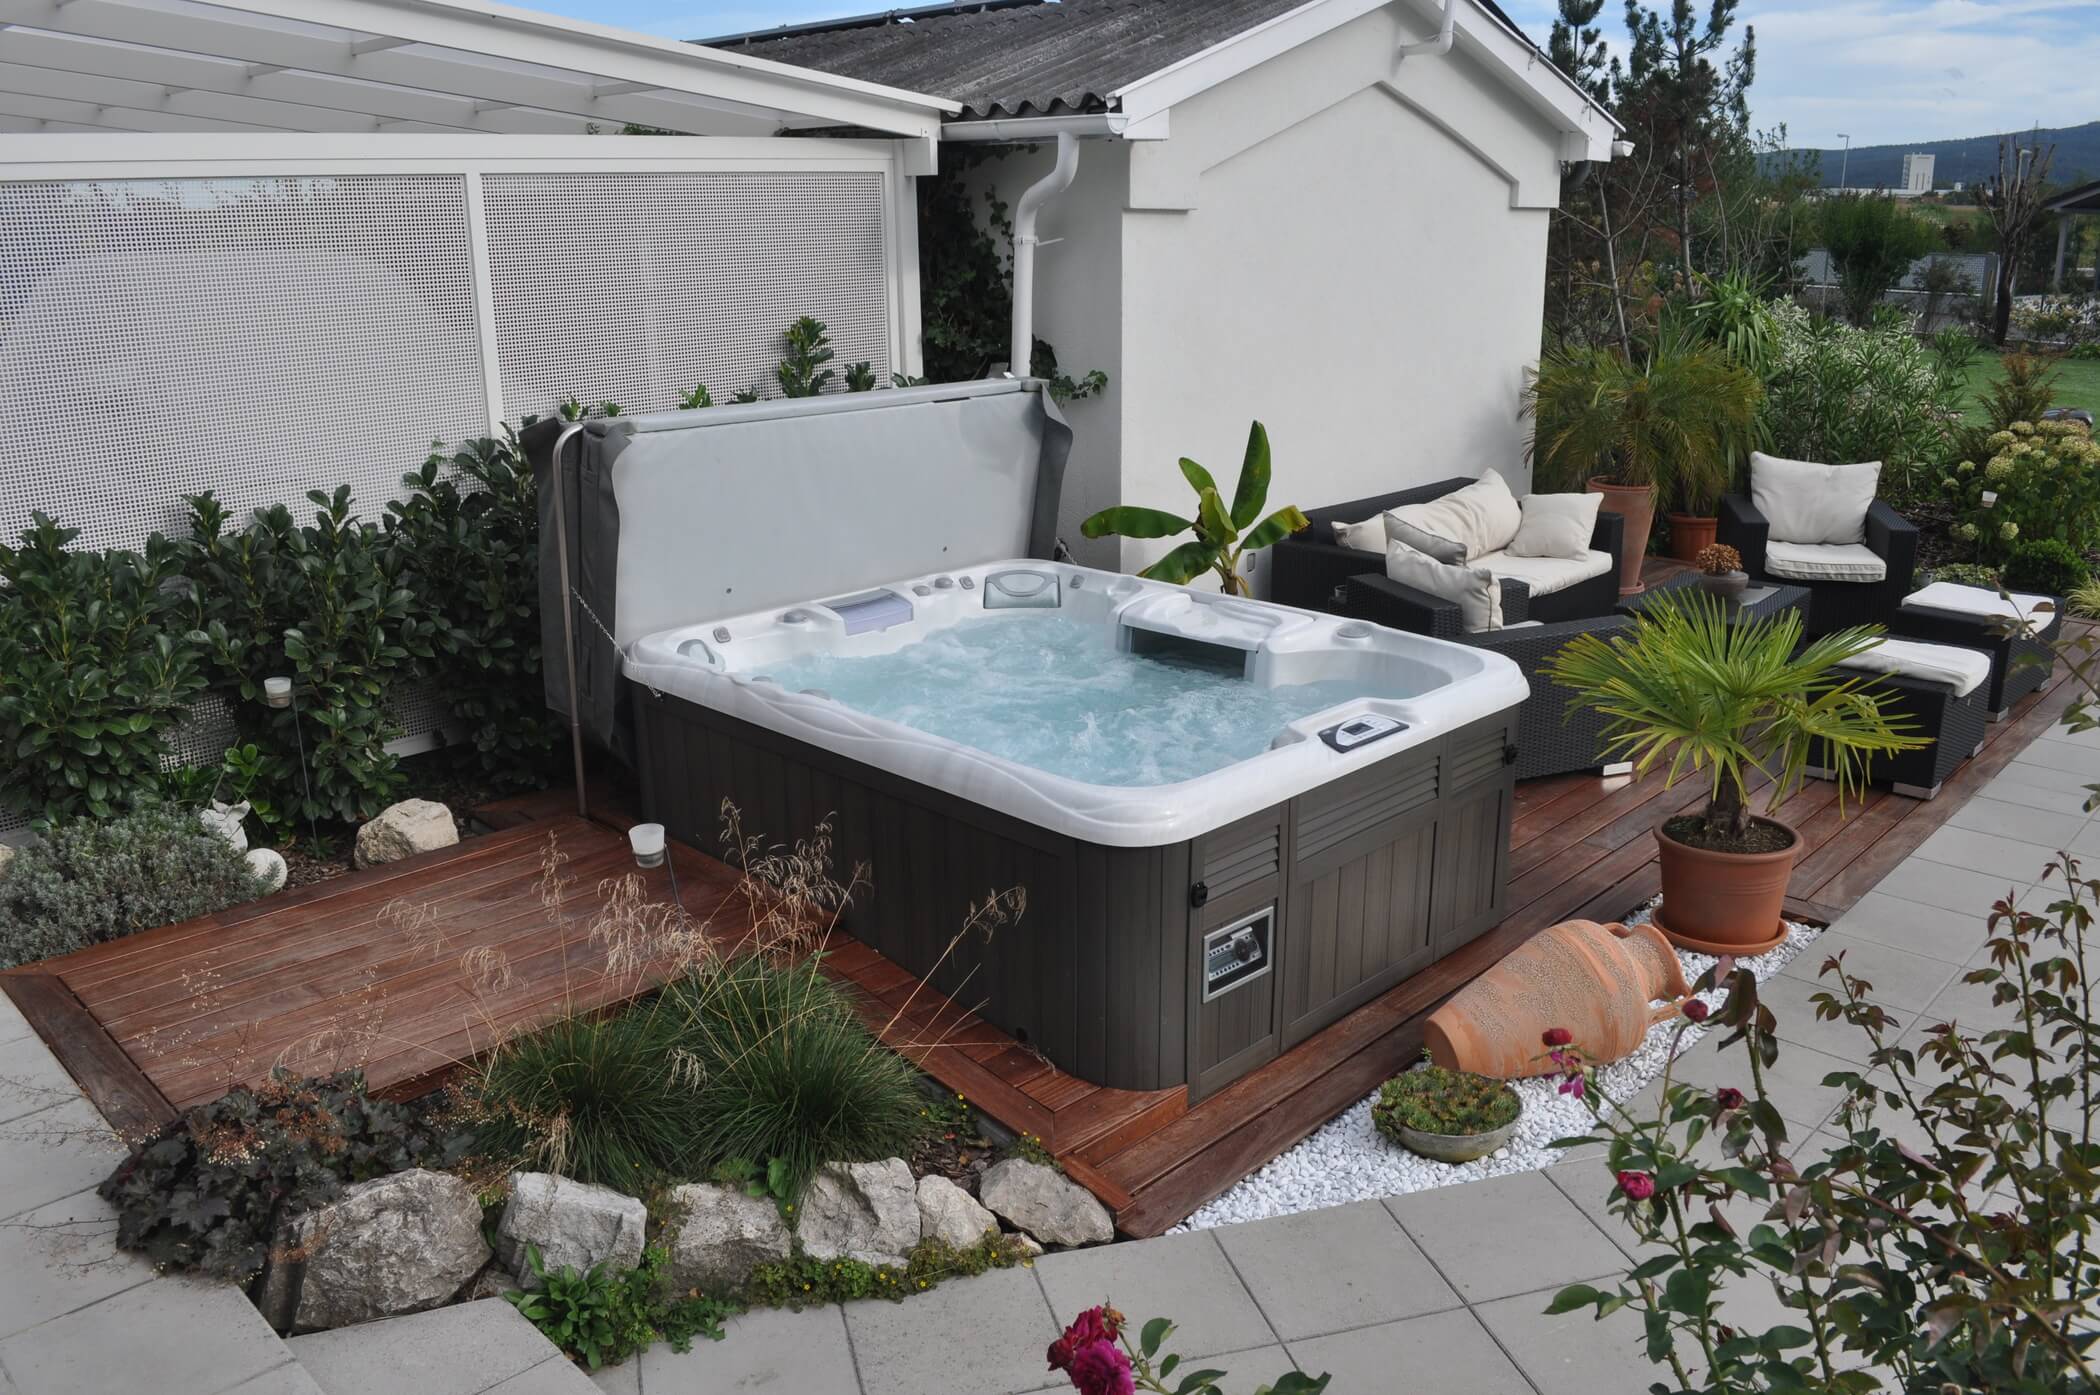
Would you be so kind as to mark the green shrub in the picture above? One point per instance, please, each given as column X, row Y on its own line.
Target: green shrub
column 2048, row 565
column 1434, row 1100
column 85, row 882
column 1967, row 574
column 96, row 668
column 783, row 1069
column 328, row 605
column 1872, row 240
column 2041, row 481
column 2024, row 388
column 800, row 1281
column 209, row 1192
column 606, row 1315
column 590, row 1097
column 476, row 571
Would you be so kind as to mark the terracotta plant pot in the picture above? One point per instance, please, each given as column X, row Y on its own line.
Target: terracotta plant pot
column 1636, row 504
column 1598, row 981
column 1722, row 902
column 1458, row 1147
column 1689, row 532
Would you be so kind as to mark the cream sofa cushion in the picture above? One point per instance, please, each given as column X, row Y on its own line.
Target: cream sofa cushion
column 1482, row 517
column 1545, row 575
column 1556, row 525
column 1475, row 590
column 1949, row 665
column 1809, row 503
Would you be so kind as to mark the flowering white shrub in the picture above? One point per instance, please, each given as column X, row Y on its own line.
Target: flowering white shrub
column 2042, row 480
column 1839, row 394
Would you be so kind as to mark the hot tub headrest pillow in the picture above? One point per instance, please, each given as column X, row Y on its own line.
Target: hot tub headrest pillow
column 1471, row 521
column 1805, row 502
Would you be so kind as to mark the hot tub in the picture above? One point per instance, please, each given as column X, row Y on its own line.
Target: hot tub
column 1234, row 821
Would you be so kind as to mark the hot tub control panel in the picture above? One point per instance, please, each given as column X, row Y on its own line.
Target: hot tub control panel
column 1360, row 731
column 1236, row 953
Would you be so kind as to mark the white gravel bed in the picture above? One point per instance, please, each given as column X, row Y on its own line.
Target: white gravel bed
column 1348, row 1160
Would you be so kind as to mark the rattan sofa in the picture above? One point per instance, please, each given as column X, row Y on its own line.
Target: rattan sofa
column 1832, row 605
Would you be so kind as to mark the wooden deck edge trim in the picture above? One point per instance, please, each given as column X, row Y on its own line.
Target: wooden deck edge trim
column 109, row 1078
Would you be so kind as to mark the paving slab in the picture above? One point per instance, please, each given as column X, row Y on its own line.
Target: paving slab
column 771, row 1350
column 2071, row 758
column 1993, row 853
column 558, row 1376
column 626, row 1378
column 2040, row 770
column 1441, row 1352
column 2011, row 787
column 2017, row 817
column 174, row 1334
column 986, row 1334
column 288, row 1379
column 462, row 1350
column 1792, row 1001
column 1957, row 889
column 13, row 1025
column 31, row 1079
column 1323, row 1271
column 1506, row 1235
column 1902, row 978
column 1794, row 1081
column 1573, row 1353
column 1933, row 931
column 61, row 1257
column 1184, row 1277
column 53, row 1153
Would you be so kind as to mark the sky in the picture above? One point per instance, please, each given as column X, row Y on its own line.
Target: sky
column 1886, row 71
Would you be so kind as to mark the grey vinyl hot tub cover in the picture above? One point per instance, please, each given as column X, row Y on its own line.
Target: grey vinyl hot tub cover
column 675, row 518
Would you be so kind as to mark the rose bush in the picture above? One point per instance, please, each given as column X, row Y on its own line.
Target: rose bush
column 1097, row 1356
column 2041, row 480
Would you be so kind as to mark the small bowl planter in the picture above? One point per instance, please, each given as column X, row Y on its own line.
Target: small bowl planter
column 1729, row 586
column 1447, row 1115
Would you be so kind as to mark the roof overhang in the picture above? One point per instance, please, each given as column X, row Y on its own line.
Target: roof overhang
column 243, row 66
column 2083, row 199
column 1587, row 129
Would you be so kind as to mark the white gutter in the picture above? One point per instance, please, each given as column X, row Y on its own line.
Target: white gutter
column 1436, row 47
column 1039, row 193
column 1022, row 130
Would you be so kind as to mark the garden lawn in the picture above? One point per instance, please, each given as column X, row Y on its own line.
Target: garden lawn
column 2077, row 383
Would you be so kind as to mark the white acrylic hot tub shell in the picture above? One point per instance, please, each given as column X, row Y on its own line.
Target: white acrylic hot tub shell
column 1289, row 645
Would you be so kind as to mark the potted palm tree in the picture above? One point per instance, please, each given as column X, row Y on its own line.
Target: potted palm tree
column 1664, row 423
column 1733, row 703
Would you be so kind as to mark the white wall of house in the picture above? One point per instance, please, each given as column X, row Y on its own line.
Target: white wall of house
column 1352, row 254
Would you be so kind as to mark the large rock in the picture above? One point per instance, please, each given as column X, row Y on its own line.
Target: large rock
column 393, row 1245
column 269, row 868
column 863, row 1211
column 573, row 1225
column 405, row 829
column 1045, row 1203
column 725, row 1232
column 950, row 1214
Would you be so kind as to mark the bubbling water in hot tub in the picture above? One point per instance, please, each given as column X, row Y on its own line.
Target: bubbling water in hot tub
column 1056, row 693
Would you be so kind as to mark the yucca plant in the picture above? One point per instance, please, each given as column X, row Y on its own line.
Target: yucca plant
column 1733, row 316
column 1674, row 419
column 1687, row 689
column 1219, row 543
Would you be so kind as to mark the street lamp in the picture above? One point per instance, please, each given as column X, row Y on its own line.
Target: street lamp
column 1845, row 164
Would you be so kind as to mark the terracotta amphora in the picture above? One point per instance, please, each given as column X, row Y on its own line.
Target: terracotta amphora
column 1598, row 981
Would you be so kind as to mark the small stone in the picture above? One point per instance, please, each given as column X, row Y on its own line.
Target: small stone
column 571, row 1224
column 227, row 821
column 403, row 830
column 949, row 1214
column 396, row 1244
column 1023, row 1244
column 268, row 866
column 725, row 1233
column 1045, row 1203
column 863, row 1211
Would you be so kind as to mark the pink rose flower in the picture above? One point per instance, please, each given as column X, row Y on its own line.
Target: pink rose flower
column 1637, row 1185
column 1557, row 1036
column 1101, row 1324
column 1573, row 1085
column 1695, row 1010
column 1101, row 1368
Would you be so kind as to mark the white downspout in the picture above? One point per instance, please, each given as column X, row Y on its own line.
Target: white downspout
column 1436, row 47
column 1039, row 193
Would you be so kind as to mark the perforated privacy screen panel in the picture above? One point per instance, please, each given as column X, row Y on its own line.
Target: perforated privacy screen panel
column 633, row 287
column 257, row 337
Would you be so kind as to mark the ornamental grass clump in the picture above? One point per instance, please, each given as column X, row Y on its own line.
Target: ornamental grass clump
column 1431, row 1099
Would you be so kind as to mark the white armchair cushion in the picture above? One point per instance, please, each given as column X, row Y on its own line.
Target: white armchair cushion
column 1482, row 517
column 1545, row 575
column 1556, row 525
column 1475, row 590
column 1824, row 562
column 1809, row 503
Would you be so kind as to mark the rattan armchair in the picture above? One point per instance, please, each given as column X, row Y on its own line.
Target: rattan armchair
column 1832, row 605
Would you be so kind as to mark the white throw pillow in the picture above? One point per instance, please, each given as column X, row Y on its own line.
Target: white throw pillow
column 1556, row 525
column 1809, row 503
column 1482, row 516
column 1478, row 594
column 1367, row 536
column 1449, row 551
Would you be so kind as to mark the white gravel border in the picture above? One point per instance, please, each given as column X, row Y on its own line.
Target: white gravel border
column 1348, row 1160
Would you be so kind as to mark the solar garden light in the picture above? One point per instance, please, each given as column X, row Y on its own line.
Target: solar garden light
column 277, row 692
column 647, row 840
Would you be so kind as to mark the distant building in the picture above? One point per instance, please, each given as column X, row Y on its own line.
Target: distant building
column 1917, row 174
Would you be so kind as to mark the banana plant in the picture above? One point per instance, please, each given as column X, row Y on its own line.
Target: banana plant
column 1223, row 536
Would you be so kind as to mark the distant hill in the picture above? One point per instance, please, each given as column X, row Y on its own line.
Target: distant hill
column 1968, row 160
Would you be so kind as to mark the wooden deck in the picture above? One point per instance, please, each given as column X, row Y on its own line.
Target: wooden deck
column 377, row 969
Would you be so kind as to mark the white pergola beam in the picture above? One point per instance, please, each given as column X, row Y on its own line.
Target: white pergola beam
column 111, row 117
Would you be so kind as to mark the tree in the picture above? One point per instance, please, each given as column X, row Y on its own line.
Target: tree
column 2013, row 203
column 1872, row 241
column 1687, row 105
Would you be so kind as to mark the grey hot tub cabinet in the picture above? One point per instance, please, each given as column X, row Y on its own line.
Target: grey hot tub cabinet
column 1366, row 881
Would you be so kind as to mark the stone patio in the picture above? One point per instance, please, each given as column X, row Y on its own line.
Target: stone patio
column 1444, row 1289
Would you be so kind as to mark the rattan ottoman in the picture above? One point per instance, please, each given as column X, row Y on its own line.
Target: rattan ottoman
column 1945, row 613
column 1936, row 690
